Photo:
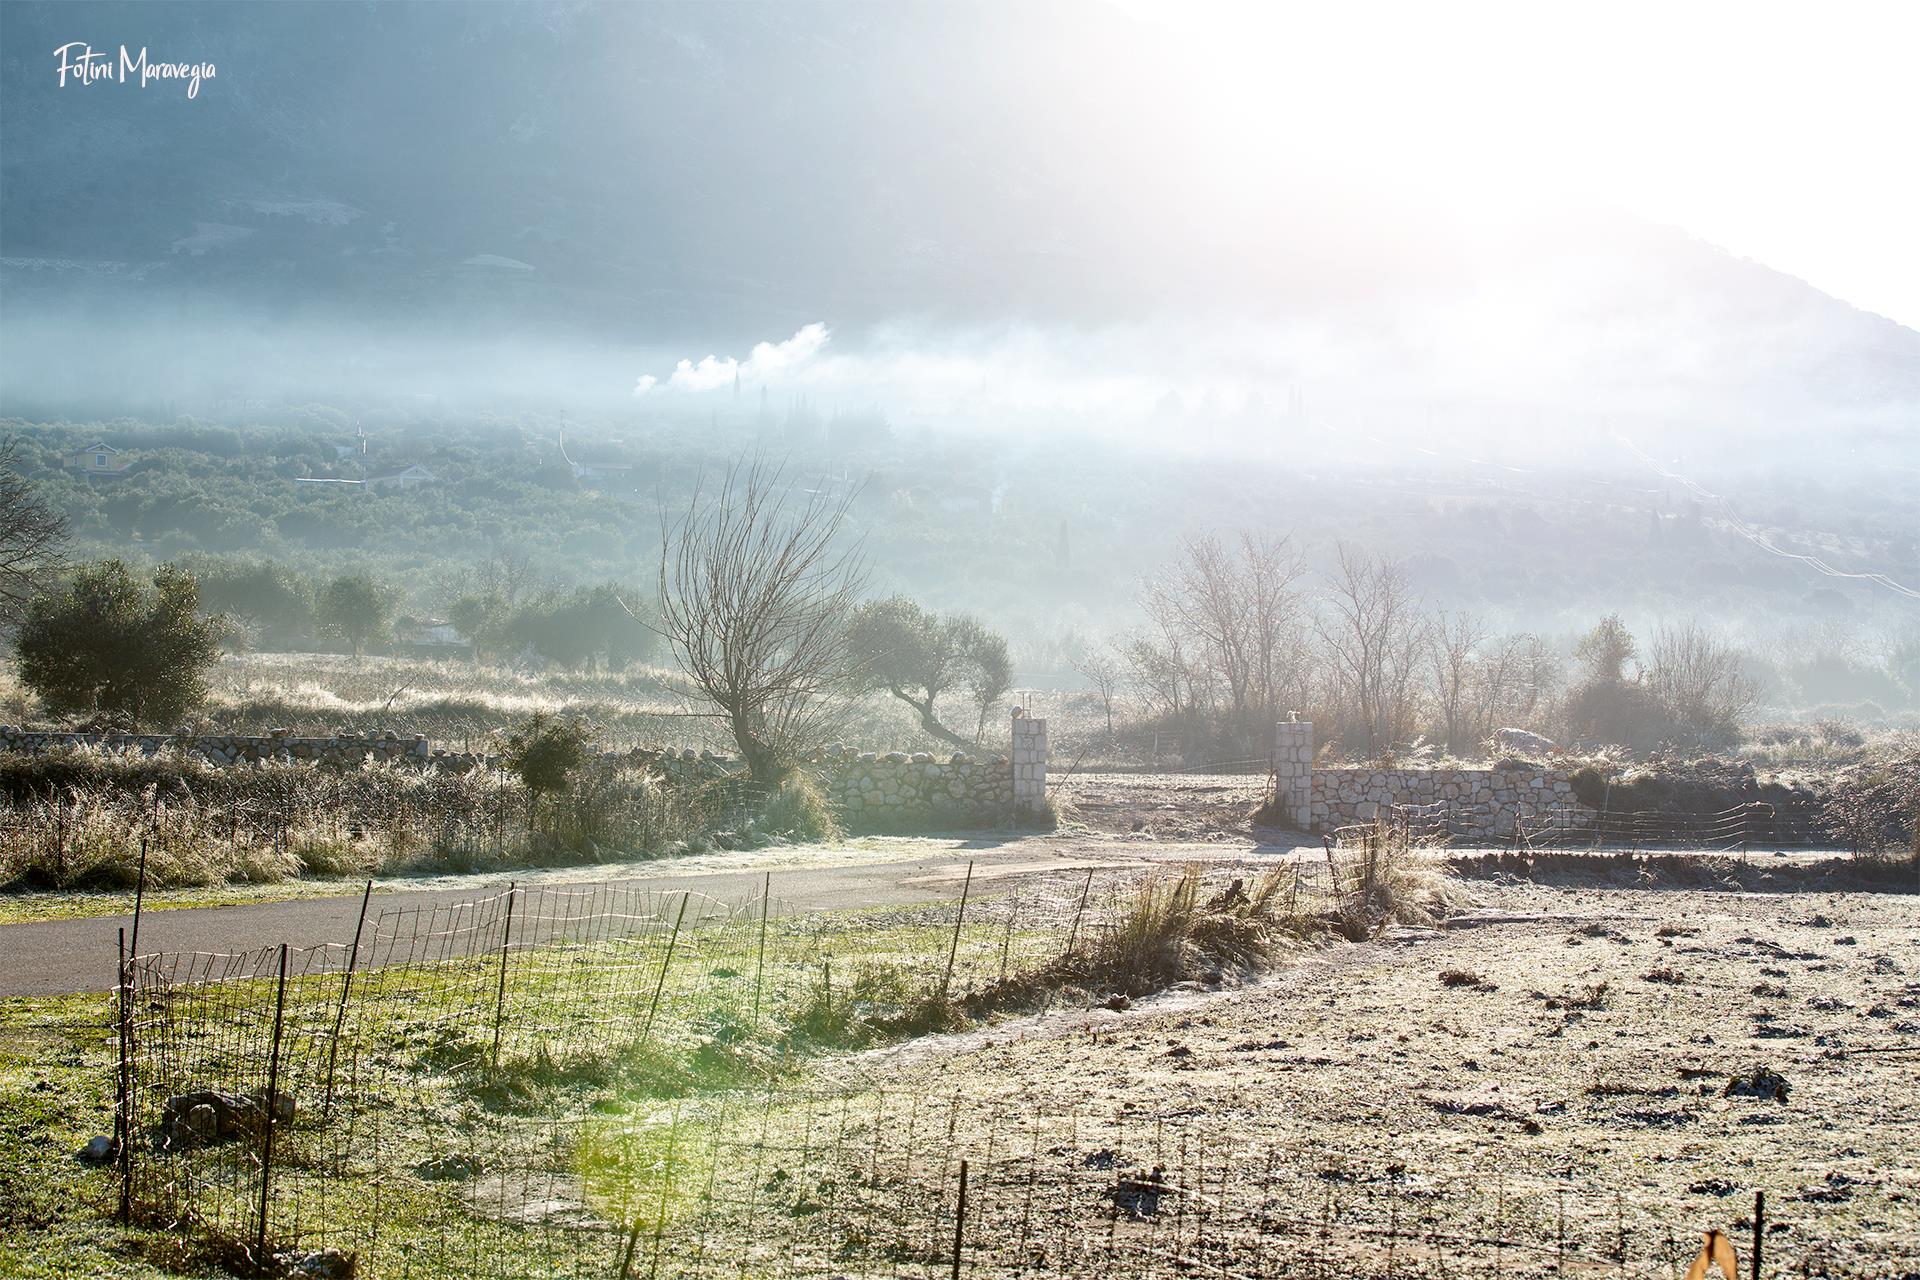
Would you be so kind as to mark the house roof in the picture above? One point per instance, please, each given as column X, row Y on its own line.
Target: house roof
column 411, row 469
column 101, row 447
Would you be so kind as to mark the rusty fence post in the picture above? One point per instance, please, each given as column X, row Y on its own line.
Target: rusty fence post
column 123, row 1102
column 139, row 901
column 960, row 1223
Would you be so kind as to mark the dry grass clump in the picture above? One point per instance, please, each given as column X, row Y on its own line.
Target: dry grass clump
column 1172, row 931
column 800, row 811
column 1592, row 995
column 1383, row 879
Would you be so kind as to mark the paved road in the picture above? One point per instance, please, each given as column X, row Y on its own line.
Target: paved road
column 59, row 957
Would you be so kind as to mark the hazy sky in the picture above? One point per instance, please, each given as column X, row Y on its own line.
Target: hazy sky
column 1786, row 133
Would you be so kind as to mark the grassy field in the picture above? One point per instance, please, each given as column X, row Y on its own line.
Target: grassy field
column 598, row 1039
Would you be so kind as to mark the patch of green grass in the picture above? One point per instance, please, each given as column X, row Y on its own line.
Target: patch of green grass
column 56, row 1092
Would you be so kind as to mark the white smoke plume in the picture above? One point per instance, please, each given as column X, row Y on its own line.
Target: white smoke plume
column 767, row 361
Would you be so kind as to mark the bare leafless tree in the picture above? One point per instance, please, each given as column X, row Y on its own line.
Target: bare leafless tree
column 506, row 575
column 1159, row 673
column 756, row 589
column 31, row 536
column 1236, row 608
column 1700, row 681
column 1371, row 634
column 1273, row 566
column 1454, row 661
column 1102, row 668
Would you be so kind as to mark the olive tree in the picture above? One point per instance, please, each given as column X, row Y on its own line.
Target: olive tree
column 919, row 656
column 111, row 647
column 355, row 608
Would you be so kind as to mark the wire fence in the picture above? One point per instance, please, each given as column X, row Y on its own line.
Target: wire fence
column 401, row 1104
column 898, row 1183
column 1572, row 828
column 253, row 1088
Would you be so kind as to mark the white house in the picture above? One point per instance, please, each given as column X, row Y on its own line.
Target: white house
column 601, row 470
column 96, row 460
column 405, row 478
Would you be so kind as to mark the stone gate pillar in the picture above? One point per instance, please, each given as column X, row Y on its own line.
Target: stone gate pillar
column 1293, row 772
column 1029, row 765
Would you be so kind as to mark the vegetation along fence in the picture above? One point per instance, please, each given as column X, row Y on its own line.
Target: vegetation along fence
column 592, row 1081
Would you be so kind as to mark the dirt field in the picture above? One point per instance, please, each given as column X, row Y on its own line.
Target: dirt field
column 1560, row 1070
column 1163, row 806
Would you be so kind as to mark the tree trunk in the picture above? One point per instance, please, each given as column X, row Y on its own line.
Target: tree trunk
column 927, row 721
column 763, row 766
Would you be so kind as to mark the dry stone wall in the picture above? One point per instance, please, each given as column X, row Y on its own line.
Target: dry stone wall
column 1475, row 804
column 345, row 749
column 898, row 791
column 1472, row 804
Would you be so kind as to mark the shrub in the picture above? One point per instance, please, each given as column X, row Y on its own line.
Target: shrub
column 546, row 751
column 800, row 811
column 1875, row 811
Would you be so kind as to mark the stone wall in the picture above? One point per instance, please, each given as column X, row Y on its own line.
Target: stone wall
column 229, row 748
column 897, row 791
column 1475, row 804
column 1293, row 772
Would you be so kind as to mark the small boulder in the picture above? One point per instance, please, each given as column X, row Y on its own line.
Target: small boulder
column 99, row 1150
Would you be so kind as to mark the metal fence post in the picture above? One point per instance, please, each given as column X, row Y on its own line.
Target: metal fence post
column 946, row 982
column 1759, row 1229
column 123, row 1105
column 1085, row 889
column 139, row 900
column 666, row 962
column 760, row 965
column 500, row 997
column 960, row 1222
column 346, row 986
column 272, row 1104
